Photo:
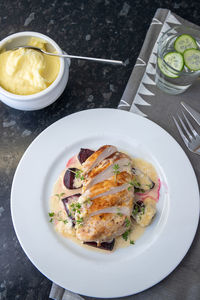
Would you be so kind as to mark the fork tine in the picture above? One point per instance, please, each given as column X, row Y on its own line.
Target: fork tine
column 194, row 114
column 185, row 128
column 190, row 125
column 181, row 132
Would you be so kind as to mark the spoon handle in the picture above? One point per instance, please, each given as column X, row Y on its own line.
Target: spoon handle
column 110, row 61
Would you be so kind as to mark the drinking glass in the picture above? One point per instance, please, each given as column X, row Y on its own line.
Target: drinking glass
column 180, row 81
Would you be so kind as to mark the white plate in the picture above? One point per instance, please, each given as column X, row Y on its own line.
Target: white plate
column 128, row 270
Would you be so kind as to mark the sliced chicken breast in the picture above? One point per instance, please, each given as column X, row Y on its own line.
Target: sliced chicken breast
column 107, row 168
column 97, row 157
column 122, row 198
column 107, row 198
column 112, row 185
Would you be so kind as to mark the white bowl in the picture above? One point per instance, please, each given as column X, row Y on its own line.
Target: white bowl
column 50, row 94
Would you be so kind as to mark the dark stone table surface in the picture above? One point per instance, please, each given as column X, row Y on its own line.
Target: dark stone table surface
column 99, row 28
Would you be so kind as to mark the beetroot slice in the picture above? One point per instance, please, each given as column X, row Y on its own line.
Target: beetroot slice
column 67, row 201
column 84, row 154
column 69, row 179
column 104, row 245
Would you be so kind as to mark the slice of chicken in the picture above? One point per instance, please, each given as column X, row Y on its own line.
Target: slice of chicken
column 114, row 184
column 97, row 157
column 102, row 228
column 121, row 199
column 117, row 163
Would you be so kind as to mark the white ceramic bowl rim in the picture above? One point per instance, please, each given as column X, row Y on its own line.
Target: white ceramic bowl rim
column 56, row 81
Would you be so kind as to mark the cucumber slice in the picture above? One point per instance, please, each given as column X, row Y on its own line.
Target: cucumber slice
column 183, row 42
column 192, row 59
column 174, row 60
column 163, row 68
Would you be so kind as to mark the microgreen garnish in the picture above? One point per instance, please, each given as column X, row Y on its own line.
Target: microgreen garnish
column 138, row 209
column 131, row 185
column 75, row 207
column 79, row 221
column 127, row 222
column 125, row 234
column 51, row 214
column 78, row 175
column 56, row 217
column 88, row 201
column 136, row 183
column 137, row 187
column 119, row 212
column 59, row 195
column 132, row 242
column 116, row 169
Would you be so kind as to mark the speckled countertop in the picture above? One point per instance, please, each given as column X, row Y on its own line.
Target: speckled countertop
column 101, row 28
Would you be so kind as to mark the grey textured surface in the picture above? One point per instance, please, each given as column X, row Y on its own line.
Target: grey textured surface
column 109, row 29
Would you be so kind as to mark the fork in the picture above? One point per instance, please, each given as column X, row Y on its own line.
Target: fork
column 191, row 138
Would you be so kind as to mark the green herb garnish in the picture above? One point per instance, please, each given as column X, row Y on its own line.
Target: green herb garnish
column 119, row 214
column 76, row 207
column 51, row 214
column 125, row 235
column 56, row 217
column 132, row 242
column 78, row 175
column 136, row 210
column 88, row 201
column 131, row 185
column 59, row 195
column 127, row 222
column 116, row 169
column 79, row 221
column 136, row 183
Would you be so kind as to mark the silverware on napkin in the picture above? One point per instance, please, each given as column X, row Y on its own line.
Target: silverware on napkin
column 189, row 135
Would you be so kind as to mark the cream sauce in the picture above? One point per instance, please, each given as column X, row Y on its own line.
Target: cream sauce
column 63, row 224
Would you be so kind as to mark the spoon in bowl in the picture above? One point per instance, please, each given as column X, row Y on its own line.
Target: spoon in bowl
column 110, row 61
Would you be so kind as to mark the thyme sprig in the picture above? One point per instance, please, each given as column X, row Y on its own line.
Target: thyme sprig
column 78, row 174
column 56, row 217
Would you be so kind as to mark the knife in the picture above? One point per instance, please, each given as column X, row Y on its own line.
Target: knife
column 195, row 115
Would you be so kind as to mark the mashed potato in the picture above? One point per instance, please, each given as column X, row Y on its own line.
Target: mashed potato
column 27, row 71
